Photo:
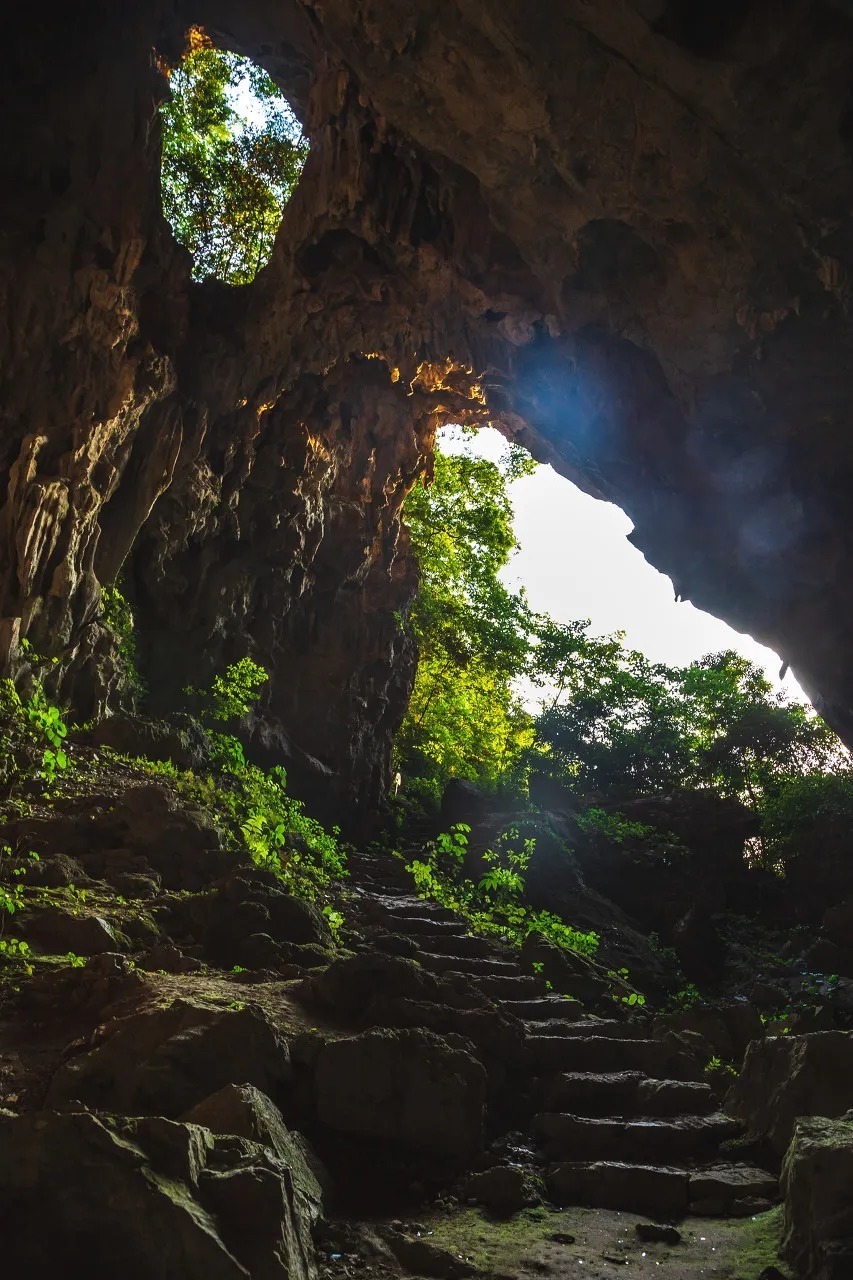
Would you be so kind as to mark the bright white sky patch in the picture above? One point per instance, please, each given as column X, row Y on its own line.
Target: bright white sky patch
column 576, row 562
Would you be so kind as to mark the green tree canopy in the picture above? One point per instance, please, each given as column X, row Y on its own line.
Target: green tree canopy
column 611, row 721
column 232, row 155
column 465, row 718
column 619, row 723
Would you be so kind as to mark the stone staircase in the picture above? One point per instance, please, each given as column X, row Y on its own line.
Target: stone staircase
column 621, row 1118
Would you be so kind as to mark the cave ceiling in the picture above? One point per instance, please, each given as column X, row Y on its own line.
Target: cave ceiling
column 621, row 232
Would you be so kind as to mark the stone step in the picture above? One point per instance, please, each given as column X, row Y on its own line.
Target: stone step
column 597, row 1053
column 676, row 1139
column 627, row 1093
column 546, row 1009
column 407, row 906
column 511, row 988
column 469, row 944
column 664, row 1191
column 612, row 1029
column 476, row 965
column 417, row 925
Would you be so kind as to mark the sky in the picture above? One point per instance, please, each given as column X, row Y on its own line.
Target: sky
column 575, row 562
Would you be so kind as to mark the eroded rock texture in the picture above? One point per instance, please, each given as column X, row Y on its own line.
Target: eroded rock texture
column 620, row 231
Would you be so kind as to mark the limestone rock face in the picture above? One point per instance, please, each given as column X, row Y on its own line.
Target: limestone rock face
column 410, row 1088
column 785, row 1077
column 167, row 1060
column 102, row 1197
column 816, row 1180
column 621, row 235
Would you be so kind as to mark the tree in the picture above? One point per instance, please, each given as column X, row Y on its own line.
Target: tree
column 473, row 633
column 232, row 155
column 621, row 724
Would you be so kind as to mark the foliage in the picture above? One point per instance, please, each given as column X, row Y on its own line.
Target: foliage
column 614, row 826
column 30, row 726
column 232, row 694
column 621, row 725
column 807, row 823
column 232, row 155
column 494, row 905
column 12, row 950
column 465, row 719
column 117, row 615
column 252, row 803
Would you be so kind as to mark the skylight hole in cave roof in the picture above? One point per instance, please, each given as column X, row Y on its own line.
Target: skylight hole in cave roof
column 232, row 156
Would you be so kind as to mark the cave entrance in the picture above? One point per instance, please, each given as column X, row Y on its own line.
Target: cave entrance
column 574, row 561
column 233, row 152
column 549, row 649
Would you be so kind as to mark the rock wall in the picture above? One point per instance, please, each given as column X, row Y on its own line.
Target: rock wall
column 620, row 232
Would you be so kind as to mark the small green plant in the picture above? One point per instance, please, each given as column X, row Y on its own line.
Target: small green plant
column 688, row 997
column 634, row 999
column 251, row 803
column 76, row 962
column 721, row 1070
column 117, row 615
column 614, row 826
column 232, row 694
column 494, row 906
column 47, row 724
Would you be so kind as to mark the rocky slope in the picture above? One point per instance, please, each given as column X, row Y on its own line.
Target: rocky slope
column 206, row 1081
column 619, row 231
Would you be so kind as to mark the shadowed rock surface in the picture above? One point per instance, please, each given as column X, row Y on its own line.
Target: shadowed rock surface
column 624, row 241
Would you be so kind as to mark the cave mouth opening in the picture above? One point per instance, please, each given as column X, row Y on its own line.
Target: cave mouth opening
column 574, row 560
column 233, row 151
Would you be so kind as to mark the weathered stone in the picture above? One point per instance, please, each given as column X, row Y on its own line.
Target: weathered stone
column 503, row 1191
column 411, row 1088
column 784, row 1077
column 144, row 1198
column 166, row 1060
column 168, row 958
column 178, row 739
column 244, row 1110
column 736, row 1190
column 424, row 1258
column 496, row 1034
column 350, row 985
column 61, row 931
column 568, row 972
column 728, row 1027
column 613, row 1185
column 651, row 1232
column 817, row 1185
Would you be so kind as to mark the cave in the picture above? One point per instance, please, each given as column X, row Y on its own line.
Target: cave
column 620, row 233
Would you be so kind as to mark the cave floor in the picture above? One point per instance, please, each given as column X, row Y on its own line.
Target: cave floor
column 595, row 1243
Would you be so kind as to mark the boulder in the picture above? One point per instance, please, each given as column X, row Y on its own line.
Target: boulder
column 699, row 946
column 166, row 1060
column 178, row 739
column 465, row 802
column 60, row 931
column 502, row 1191
column 165, row 957
column 838, row 923
column 784, row 1077
column 425, row 1258
column 244, row 1110
column 82, row 1195
column 146, row 830
column 727, row 1027
column 817, row 1185
column 410, row 1088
